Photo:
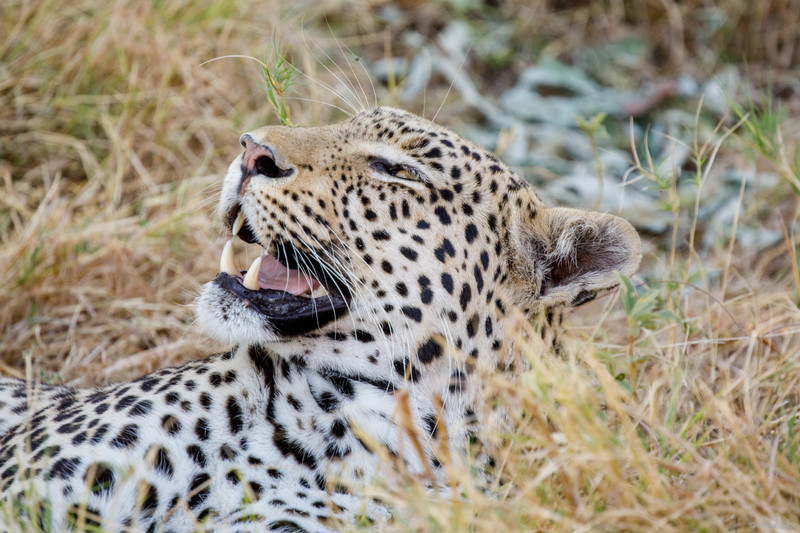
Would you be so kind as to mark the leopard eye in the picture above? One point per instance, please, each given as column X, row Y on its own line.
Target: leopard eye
column 403, row 174
column 400, row 172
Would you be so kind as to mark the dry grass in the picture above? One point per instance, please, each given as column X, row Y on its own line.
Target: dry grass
column 113, row 138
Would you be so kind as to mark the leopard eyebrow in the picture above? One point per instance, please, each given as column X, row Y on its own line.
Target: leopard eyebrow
column 416, row 144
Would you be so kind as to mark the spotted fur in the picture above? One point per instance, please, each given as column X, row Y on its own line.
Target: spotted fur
column 429, row 239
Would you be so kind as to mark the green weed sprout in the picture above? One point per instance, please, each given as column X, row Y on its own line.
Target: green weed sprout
column 279, row 76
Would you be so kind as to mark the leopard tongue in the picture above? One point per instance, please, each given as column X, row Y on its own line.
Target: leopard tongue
column 273, row 275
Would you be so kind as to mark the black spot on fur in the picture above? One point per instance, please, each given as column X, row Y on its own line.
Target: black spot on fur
column 172, row 398
column 196, row 454
column 149, row 501
column 414, row 313
column 202, row 430
column 339, row 428
column 466, row 296
column 226, row 453
column 199, row 486
column 67, row 428
column 141, row 408
column 447, row 283
column 444, row 250
column 263, row 363
column 100, row 478
column 327, row 401
column 470, row 233
column 426, row 296
column 476, row 273
column 171, row 425
column 429, row 351
column 235, row 415
column 444, row 216
column 65, row 468
column 125, row 402
column 127, row 437
column 342, row 384
column 408, row 253
column 430, row 424
column 286, row 526
column 90, row 520
column 205, row 400
column 257, row 489
column 472, row 325
column 233, row 476
column 434, row 153
column 292, row 448
column 363, row 336
column 403, row 368
column 401, row 288
column 99, row 433
column 162, row 462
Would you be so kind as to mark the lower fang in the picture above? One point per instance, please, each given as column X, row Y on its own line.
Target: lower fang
column 251, row 278
column 319, row 291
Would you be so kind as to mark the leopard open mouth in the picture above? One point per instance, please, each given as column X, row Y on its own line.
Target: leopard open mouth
column 285, row 285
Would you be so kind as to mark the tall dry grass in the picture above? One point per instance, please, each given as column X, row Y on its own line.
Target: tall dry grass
column 113, row 139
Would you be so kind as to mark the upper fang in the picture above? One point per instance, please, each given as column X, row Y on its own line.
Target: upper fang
column 251, row 278
column 226, row 262
column 238, row 223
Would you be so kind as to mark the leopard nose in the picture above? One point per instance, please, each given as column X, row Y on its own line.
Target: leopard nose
column 259, row 160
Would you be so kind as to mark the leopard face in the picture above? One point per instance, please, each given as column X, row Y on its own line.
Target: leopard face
column 388, row 228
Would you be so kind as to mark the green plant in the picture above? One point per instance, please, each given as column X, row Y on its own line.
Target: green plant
column 279, row 76
column 762, row 130
column 593, row 128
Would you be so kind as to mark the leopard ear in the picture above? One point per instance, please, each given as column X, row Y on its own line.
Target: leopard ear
column 569, row 255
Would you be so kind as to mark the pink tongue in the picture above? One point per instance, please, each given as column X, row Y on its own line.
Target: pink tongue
column 273, row 275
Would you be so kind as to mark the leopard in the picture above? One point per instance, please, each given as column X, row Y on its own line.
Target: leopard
column 393, row 255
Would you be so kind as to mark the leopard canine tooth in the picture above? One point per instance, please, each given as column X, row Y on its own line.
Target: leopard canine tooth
column 319, row 291
column 238, row 223
column 251, row 278
column 226, row 261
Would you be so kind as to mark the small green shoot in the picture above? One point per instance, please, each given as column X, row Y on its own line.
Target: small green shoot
column 643, row 312
column 593, row 128
column 761, row 130
column 279, row 76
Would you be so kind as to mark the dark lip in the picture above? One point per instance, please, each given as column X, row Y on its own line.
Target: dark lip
column 288, row 314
